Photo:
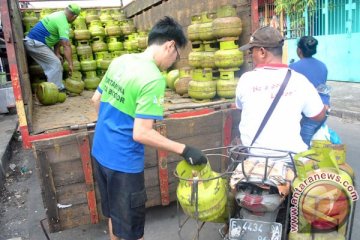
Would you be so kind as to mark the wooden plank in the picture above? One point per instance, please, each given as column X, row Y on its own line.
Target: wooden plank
column 191, row 105
column 193, row 126
column 138, row 6
column 236, row 115
column 203, row 141
column 74, row 216
column 152, row 175
column 153, row 194
column 63, row 152
column 69, row 172
column 50, row 143
column 74, row 111
column 48, row 191
column 150, row 153
column 71, row 194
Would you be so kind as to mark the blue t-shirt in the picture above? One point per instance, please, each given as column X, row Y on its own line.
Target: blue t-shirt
column 133, row 87
column 315, row 71
column 51, row 29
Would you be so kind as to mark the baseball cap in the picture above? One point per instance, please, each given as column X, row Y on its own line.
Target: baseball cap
column 74, row 8
column 264, row 37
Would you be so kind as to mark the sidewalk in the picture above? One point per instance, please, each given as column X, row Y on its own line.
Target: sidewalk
column 345, row 102
column 8, row 124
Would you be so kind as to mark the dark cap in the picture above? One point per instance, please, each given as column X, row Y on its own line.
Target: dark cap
column 264, row 37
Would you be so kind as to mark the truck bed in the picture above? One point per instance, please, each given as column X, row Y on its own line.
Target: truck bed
column 74, row 111
column 79, row 110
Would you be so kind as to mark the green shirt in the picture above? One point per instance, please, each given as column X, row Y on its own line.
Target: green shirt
column 57, row 26
column 135, row 86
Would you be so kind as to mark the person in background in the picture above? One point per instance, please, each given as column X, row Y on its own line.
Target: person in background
column 129, row 100
column 316, row 72
column 45, row 39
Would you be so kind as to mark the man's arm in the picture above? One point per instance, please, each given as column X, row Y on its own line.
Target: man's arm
column 321, row 116
column 57, row 52
column 145, row 134
column 96, row 100
column 67, row 53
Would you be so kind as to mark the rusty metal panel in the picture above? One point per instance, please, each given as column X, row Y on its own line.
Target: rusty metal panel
column 146, row 15
column 140, row 5
column 84, row 148
column 163, row 169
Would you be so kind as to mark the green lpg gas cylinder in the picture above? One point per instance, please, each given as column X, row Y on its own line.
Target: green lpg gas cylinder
column 48, row 94
column 74, row 86
column 112, row 28
column 91, row 15
column 193, row 29
column 96, row 28
column 171, row 77
column 226, row 88
column 127, row 27
column 212, row 197
column 114, row 44
column 229, row 56
column 118, row 15
column 202, row 90
column 105, row 16
column 142, row 40
column 98, row 44
column 91, row 80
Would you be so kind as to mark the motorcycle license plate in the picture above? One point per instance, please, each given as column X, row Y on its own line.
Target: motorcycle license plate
column 245, row 229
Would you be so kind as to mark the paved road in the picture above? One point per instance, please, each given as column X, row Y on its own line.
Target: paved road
column 349, row 132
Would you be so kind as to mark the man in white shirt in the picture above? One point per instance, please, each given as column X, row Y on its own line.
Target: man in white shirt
column 256, row 90
column 255, row 93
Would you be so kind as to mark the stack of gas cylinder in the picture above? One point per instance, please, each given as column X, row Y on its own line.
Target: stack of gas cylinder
column 97, row 36
column 215, row 57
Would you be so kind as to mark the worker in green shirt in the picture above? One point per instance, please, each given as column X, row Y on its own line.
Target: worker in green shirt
column 45, row 39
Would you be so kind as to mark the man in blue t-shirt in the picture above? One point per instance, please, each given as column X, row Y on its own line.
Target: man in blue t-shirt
column 129, row 99
column 45, row 39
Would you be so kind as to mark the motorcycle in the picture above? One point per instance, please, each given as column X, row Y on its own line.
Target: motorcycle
column 249, row 196
column 260, row 182
column 256, row 190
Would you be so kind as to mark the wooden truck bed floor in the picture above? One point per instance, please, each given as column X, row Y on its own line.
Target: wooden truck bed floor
column 80, row 111
column 74, row 111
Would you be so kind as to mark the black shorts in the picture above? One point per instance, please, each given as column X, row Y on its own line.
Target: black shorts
column 123, row 198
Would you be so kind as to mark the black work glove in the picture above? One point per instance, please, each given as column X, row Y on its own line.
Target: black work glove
column 194, row 156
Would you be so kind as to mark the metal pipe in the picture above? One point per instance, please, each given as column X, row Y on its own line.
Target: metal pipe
column 84, row 8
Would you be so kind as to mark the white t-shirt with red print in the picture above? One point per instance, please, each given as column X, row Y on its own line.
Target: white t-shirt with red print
column 254, row 94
